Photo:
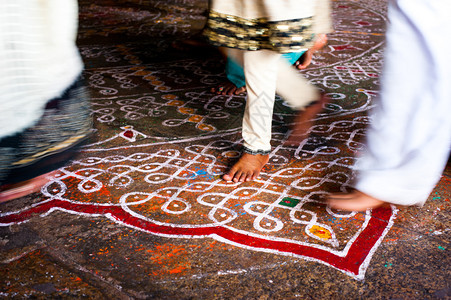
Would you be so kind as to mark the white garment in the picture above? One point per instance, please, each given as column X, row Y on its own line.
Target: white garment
column 410, row 137
column 273, row 10
column 262, row 81
column 280, row 25
column 277, row 10
column 265, row 70
column 38, row 58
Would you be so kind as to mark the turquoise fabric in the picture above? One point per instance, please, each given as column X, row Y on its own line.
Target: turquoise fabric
column 235, row 73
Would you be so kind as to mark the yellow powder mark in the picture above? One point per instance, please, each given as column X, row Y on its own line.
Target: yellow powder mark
column 321, row 232
column 186, row 110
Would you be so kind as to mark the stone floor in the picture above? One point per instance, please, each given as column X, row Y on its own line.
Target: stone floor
column 143, row 212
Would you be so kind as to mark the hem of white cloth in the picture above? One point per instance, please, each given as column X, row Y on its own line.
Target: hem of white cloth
column 256, row 152
column 18, row 119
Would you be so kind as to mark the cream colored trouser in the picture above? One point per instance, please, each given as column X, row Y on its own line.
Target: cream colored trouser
column 266, row 72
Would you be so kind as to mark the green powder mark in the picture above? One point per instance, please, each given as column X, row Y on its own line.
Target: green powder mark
column 290, row 202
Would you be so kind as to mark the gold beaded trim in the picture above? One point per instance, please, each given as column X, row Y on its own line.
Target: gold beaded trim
column 255, row 34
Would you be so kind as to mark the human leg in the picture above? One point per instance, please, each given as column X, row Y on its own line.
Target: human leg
column 25, row 188
column 260, row 69
column 43, row 119
column 236, row 84
column 29, row 158
column 302, row 97
column 409, row 139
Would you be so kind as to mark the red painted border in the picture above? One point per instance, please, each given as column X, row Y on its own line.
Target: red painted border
column 351, row 263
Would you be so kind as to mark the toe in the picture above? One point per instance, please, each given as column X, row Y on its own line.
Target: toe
column 236, row 176
column 229, row 91
column 240, row 91
column 249, row 177
column 254, row 175
column 243, row 176
column 229, row 176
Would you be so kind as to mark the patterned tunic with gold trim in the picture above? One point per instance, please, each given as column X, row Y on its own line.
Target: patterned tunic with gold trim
column 279, row 25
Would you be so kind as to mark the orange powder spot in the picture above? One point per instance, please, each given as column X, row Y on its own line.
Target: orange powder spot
column 142, row 73
column 205, row 127
column 150, row 78
column 178, row 269
column 170, row 258
column 169, row 97
column 186, row 110
column 195, row 118
column 175, row 103
column 137, row 68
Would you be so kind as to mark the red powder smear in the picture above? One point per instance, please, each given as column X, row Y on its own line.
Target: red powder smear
column 129, row 134
column 344, row 47
column 363, row 23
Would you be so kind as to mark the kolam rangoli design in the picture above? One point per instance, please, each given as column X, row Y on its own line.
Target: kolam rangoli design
column 166, row 140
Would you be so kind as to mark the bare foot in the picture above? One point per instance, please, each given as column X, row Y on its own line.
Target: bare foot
column 304, row 120
column 24, row 188
column 247, row 168
column 304, row 61
column 228, row 88
column 354, row 201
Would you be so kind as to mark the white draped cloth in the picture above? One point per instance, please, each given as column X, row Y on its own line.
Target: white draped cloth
column 273, row 10
column 38, row 58
column 410, row 137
